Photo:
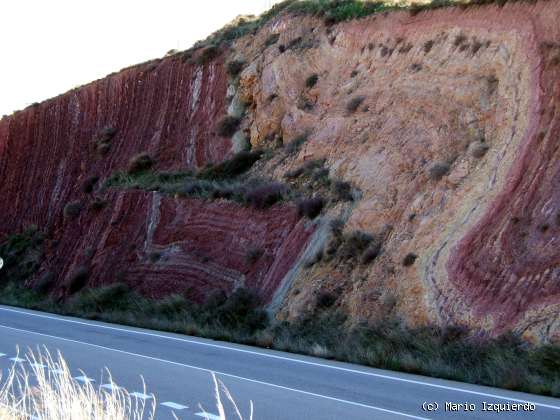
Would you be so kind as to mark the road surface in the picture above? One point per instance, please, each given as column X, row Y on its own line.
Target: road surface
column 177, row 370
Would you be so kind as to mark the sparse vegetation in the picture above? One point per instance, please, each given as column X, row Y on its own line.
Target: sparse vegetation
column 479, row 150
column 325, row 299
column 409, row 259
column 89, row 184
column 438, row 170
column 310, row 207
column 505, row 361
column 235, row 67
column 342, row 190
column 428, row 45
column 97, row 204
column 22, row 254
column 238, row 164
column 354, row 103
column 208, row 54
column 307, row 169
column 254, row 253
column 264, row 196
column 295, row 144
column 271, row 40
column 60, row 396
column 371, row 252
column 228, row 126
column 312, row 80
column 77, row 279
column 140, row 163
column 72, row 210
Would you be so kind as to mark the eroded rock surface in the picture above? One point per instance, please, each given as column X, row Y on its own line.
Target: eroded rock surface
column 445, row 123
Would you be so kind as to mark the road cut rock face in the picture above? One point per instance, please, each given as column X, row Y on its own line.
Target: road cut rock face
column 446, row 123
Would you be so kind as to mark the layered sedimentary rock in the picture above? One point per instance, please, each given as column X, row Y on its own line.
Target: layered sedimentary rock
column 445, row 122
column 155, row 243
column 471, row 91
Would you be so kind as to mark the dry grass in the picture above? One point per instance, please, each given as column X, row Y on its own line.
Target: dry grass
column 41, row 394
column 57, row 396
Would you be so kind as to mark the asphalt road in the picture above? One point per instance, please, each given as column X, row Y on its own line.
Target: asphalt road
column 177, row 370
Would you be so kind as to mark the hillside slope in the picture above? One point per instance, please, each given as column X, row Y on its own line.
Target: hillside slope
column 443, row 126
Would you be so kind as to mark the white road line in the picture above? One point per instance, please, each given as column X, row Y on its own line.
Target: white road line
column 38, row 365
column 141, row 395
column 173, row 405
column 17, row 359
column 112, row 387
column 84, row 379
column 56, row 371
column 2, row 354
column 274, row 356
column 223, row 374
column 208, row 416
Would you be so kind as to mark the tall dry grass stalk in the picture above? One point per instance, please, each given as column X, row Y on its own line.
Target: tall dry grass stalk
column 48, row 392
column 219, row 387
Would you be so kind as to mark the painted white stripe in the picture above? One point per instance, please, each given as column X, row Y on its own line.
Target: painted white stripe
column 56, row 371
column 17, row 359
column 38, row 365
column 278, row 357
column 173, row 405
column 274, row 356
column 141, row 395
column 2, row 354
column 226, row 374
column 208, row 416
column 84, row 379
column 112, row 387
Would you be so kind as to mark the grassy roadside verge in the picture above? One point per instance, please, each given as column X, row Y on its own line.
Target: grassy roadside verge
column 449, row 353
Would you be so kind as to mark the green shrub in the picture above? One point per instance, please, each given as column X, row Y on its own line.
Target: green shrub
column 295, row 144
column 22, row 254
column 325, row 300
column 235, row 67
column 342, row 191
column 241, row 162
column 72, row 210
column 89, row 184
column 312, row 80
column 271, row 40
column 140, row 163
column 371, row 252
column 97, row 204
column 307, row 169
column 479, row 150
column 264, row 196
column 228, row 126
column 45, row 283
column 354, row 103
column 354, row 244
column 208, row 54
column 107, row 134
column 77, row 279
column 310, row 207
column 428, row 45
column 253, row 254
column 438, row 170
column 409, row 259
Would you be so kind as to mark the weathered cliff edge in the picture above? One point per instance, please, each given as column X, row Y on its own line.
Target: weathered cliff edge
column 472, row 90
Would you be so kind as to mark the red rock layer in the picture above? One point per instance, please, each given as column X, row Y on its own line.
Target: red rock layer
column 160, row 245
column 168, row 109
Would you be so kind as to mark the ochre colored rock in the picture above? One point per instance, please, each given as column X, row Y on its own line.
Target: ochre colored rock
column 434, row 85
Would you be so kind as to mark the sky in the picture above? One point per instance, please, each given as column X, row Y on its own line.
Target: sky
column 48, row 47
